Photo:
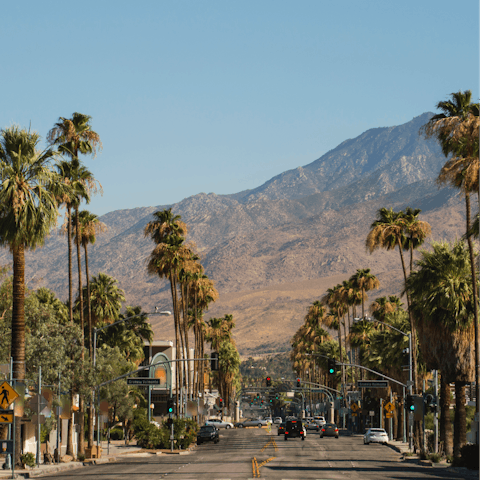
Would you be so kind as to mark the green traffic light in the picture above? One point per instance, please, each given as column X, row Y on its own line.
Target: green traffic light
column 412, row 407
column 332, row 370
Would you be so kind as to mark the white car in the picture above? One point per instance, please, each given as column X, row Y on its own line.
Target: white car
column 216, row 422
column 320, row 420
column 375, row 435
column 277, row 420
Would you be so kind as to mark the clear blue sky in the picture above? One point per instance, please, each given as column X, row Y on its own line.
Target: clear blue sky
column 220, row 96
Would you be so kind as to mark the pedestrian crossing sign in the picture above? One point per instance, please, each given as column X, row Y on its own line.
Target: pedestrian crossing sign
column 7, row 395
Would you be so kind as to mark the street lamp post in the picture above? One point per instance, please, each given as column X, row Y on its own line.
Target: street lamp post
column 410, row 366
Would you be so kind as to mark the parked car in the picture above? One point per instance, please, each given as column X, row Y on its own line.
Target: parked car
column 375, row 435
column 277, row 420
column 216, row 422
column 250, row 422
column 294, row 429
column 281, row 428
column 207, row 433
column 329, row 430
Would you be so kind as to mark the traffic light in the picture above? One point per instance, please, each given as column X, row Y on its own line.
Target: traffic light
column 220, row 402
column 331, row 366
column 214, row 361
column 409, row 405
column 170, row 406
column 299, row 383
column 169, row 421
column 269, row 382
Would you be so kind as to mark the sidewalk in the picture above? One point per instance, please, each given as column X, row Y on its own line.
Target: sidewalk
column 117, row 448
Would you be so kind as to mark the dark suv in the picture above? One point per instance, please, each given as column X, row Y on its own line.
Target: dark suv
column 207, row 433
column 293, row 429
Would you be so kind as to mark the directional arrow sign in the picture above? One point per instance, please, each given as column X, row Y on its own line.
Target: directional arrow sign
column 7, row 395
column 6, row 417
column 143, row 381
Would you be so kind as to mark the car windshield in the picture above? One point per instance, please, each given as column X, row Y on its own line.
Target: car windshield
column 377, row 430
column 207, row 428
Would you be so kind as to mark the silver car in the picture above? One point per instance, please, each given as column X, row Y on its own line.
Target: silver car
column 250, row 422
column 375, row 435
column 216, row 422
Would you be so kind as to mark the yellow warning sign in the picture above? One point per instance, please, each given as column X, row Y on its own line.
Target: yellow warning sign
column 354, row 407
column 389, row 407
column 6, row 417
column 7, row 395
column 389, row 415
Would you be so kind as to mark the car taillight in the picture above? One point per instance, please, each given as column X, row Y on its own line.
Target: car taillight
column 286, row 433
column 336, row 429
column 323, row 429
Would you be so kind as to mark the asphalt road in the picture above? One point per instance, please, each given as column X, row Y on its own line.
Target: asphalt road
column 255, row 453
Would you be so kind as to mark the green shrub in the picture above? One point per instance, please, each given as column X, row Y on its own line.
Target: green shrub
column 28, row 459
column 116, row 433
column 435, row 457
column 81, row 457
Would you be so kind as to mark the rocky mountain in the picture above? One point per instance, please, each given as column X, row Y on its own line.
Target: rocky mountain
column 275, row 249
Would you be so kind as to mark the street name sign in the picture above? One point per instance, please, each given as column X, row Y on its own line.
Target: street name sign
column 373, row 383
column 143, row 381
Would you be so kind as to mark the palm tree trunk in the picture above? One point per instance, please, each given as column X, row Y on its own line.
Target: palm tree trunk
column 18, row 334
column 81, row 442
column 460, row 422
column 412, row 325
column 90, row 345
column 70, row 273
column 173, row 287
column 475, row 302
column 445, row 421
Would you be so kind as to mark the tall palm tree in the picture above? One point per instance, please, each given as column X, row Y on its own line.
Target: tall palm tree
column 442, row 298
column 416, row 231
column 78, row 190
column 383, row 306
column 364, row 280
column 89, row 227
column 28, row 210
column 457, row 130
column 388, row 232
column 73, row 137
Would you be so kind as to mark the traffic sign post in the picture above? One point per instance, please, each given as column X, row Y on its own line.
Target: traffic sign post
column 6, row 416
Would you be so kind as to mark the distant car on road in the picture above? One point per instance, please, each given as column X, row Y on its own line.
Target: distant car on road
column 277, row 420
column 311, row 424
column 207, row 433
column 281, row 428
column 375, row 435
column 320, row 420
column 294, row 429
column 250, row 422
column 216, row 422
column 329, row 430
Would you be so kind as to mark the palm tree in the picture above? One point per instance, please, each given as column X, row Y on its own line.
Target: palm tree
column 106, row 299
column 457, row 130
column 364, row 281
column 415, row 231
column 388, row 232
column 442, row 299
column 90, row 226
column 383, row 306
column 28, row 211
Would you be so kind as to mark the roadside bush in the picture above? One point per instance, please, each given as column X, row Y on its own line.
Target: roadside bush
column 469, row 456
column 116, row 433
column 435, row 457
column 150, row 436
column 27, row 459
